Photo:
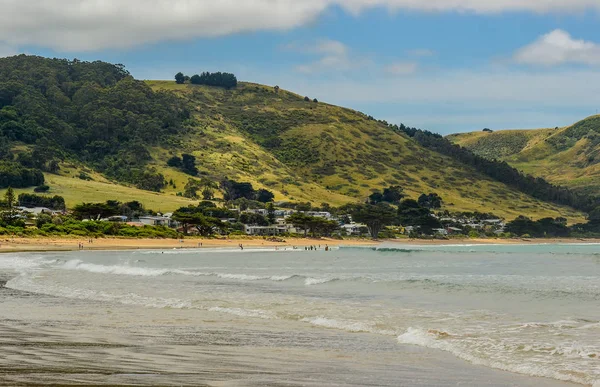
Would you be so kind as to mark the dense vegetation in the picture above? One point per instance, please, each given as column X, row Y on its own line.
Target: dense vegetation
column 93, row 112
column 218, row 79
column 54, row 203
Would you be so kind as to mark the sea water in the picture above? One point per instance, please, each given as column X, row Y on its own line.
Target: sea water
column 191, row 315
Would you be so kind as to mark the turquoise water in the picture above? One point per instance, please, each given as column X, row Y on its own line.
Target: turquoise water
column 531, row 310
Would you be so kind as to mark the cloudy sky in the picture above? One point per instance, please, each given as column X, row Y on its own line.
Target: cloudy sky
column 443, row 65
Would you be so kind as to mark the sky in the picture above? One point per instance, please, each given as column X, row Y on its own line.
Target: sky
column 443, row 65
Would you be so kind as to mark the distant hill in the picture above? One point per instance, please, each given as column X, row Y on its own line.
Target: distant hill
column 568, row 156
column 98, row 134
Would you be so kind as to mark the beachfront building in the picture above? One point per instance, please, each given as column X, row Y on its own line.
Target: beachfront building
column 158, row 221
column 319, row 214
column 354, row 229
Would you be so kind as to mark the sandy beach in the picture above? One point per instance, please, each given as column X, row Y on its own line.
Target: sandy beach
column 8, row 244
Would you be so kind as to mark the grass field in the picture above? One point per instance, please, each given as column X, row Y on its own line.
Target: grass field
column 568, row 156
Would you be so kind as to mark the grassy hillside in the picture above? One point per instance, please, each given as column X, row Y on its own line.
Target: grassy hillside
column 568, row 156
column 323, row 153
column 96, row 133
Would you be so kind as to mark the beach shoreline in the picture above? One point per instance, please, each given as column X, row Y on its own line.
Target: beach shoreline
column 42, row 244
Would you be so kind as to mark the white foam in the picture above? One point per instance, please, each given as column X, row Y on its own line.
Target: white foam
column 254, row 313
column 79, row 265
column 26, row 283
column 246, row 277
column 450, row 343
column 349, row 326
column 18, row 263
column 318, row 281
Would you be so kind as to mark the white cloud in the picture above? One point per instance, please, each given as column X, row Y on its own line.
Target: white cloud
column 334, row 56
column 402, row 68
column 558, row 47
column 88, row 25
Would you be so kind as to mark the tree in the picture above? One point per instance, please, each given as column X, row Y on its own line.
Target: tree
column 188, row 164
column 41, row 189
column 393, row 194
column 315, row 100
column 271, row 213
column 430, row 201
column 303, row 207
column 179, row 78
column 300, row 221
column 205, row 225
column 234, row 190
column 175, row 162
column 410, row 213
column 208, row 193
column 254, row 219
column 42, row 219
column 306, row 99
column 191, row 189
column 375, row 197
column 264, row 196
column 375, row 217
column 10, row 198
column 195, row 80
column 95, row 211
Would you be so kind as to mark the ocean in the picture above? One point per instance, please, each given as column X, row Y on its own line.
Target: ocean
column 482, row 315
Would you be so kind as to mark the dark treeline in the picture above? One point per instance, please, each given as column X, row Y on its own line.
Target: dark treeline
column 29, row 200
column 16, row 176
column 94, row 112
column 218, row 79
column 500, row 170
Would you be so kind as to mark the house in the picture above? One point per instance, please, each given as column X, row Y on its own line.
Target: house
column 355, row 229
column 272, row 230
column 319, row 214
column 35, row 211
column 158, row 221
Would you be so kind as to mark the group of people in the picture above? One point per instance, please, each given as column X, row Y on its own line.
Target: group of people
column 312, row 248
column 82, row 245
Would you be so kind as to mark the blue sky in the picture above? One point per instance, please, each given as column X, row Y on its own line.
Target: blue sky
column 463, row 66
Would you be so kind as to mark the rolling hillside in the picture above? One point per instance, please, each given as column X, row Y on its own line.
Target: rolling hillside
column 568, row 156
column 102, row 135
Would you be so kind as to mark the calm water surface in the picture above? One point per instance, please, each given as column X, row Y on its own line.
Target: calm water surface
column 353, row 316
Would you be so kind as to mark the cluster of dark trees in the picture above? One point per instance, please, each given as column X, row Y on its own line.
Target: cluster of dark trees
column 31, row 200
column 379, row 215
column 547, row 227
column 316, row 226
column 15, row 175
column 205, row 218
column 500, row 170
column 94, row 112
column 391, row 195
column 96, row 211
column 186, row 163
column 233, row 190
column 219, row 79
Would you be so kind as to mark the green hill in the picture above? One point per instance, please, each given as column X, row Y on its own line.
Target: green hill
column 99, row 134
column 568, row 156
